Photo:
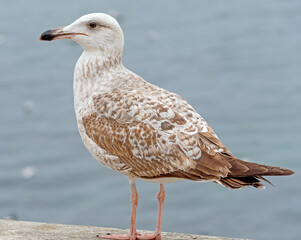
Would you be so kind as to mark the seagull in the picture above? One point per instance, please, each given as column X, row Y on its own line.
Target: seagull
column 141, row 130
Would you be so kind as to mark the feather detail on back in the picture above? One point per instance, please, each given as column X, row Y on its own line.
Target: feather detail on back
column 157, row 141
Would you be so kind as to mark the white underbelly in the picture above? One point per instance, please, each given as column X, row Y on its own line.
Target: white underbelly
column 163, row 180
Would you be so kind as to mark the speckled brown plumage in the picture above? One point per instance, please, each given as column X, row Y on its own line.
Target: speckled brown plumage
column 156, row 139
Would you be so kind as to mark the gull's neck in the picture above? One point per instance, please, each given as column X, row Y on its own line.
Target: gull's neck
column 93, row 73
column 93, row 63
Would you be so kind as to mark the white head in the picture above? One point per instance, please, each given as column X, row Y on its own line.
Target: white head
column 94, row 32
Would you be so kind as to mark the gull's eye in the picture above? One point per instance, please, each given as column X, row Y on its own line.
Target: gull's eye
column 92, row 24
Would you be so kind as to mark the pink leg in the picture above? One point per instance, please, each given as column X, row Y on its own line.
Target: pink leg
column 157, row 234
column 134, row 201
column 133, row 233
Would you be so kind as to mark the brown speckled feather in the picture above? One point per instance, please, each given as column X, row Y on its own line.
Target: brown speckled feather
column 155, row 140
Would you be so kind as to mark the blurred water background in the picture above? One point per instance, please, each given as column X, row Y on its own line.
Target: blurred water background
column 236, row 62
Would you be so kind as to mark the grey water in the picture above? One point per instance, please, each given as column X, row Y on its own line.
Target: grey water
column 238, row 64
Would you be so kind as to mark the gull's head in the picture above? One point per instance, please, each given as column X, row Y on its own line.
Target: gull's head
column 94, row 32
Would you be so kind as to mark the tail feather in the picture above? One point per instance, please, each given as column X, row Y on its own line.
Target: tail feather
column 229, row 171
column 239, row 177
column 254, row 169
column 240, row 182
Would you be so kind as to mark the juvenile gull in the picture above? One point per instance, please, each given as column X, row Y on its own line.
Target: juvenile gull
column 141, row 130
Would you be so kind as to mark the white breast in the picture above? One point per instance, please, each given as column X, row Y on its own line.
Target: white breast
column 86, row 84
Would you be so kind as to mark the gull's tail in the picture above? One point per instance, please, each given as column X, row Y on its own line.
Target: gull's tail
column 252, row 174
column 229, row 171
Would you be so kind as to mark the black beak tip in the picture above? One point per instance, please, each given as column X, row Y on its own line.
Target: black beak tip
column 47, row 36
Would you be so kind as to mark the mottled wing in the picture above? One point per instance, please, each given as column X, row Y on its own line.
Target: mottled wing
column 160, row 135
column 214, row 162
column 207, row 135
column 145, row 133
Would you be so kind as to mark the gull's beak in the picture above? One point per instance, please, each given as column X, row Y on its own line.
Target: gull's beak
column 58, row 33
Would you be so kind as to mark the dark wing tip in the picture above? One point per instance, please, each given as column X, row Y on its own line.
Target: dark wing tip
column 288, row 172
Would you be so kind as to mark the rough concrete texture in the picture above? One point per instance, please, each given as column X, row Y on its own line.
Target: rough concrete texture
column 14, row 230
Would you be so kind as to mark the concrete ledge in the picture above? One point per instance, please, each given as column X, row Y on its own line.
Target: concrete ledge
column 12, row 230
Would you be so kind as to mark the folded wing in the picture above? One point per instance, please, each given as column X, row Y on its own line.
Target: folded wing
column 164, row 137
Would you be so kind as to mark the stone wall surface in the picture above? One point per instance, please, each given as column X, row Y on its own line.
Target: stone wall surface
column 15, row 230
